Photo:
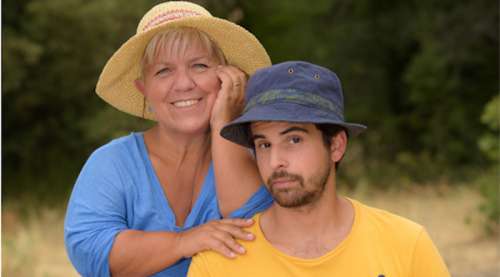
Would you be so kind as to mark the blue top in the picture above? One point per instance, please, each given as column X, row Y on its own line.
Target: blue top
column 118, row 189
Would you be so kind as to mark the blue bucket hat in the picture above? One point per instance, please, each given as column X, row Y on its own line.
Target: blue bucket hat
column 294, row 91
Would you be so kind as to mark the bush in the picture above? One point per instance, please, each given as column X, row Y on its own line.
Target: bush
column 489, row 143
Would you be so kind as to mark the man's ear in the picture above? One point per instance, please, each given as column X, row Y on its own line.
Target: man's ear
column 338, row 146
column 139, row 85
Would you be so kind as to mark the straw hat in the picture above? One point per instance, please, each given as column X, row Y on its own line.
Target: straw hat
column 116, row 82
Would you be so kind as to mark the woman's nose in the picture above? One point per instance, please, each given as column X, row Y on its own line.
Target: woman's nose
column 184, row 81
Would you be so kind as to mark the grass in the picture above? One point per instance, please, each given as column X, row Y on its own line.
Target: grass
column 33, row 245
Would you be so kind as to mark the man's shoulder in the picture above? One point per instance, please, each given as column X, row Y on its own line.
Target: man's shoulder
column 211, row 263
column 206, row 263
column 387, row 223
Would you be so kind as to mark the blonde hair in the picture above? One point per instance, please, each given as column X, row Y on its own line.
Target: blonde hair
column 177, row 41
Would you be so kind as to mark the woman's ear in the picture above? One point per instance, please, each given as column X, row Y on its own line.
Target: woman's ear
column 139, row 85
column 338, row 146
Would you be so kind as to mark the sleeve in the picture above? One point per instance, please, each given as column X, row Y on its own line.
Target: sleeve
column 95, row 215
column 426, row 259
column 259, row 201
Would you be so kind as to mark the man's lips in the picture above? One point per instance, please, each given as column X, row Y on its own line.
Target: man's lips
column 283, row 182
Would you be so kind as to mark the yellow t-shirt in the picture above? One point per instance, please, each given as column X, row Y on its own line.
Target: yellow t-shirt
column 380, row 244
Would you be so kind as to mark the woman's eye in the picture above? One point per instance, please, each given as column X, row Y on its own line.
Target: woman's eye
column 162, row 70
column 200, row 66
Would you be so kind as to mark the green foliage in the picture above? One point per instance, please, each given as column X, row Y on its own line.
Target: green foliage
column 417, row 73
column 53, row 52
column 490, row 207
column 449, row 80
column 489, row 143
column 489, row 182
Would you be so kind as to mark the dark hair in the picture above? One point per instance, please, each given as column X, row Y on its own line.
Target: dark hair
column 328, row 131
column 248, row 134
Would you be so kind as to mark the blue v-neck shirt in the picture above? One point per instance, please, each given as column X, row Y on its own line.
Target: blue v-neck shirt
column 117, row 190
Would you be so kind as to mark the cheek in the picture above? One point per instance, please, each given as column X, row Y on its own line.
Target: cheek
column 153, row 92
column 313, row 156
column 263, row 166
column 209, row 82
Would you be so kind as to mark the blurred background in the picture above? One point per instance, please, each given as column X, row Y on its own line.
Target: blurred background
column 422, row 75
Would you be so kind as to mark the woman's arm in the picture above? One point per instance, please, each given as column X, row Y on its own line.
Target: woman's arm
column 236, row 174
column 98, row 237
column 139, row 253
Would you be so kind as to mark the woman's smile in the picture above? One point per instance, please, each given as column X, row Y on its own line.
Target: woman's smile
column 186, row 103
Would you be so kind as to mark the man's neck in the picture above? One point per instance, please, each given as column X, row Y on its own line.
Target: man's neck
column 309, row 231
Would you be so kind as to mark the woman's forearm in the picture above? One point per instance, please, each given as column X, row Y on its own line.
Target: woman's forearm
column 139, row 253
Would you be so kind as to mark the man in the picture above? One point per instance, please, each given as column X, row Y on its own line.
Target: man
column 294, row 121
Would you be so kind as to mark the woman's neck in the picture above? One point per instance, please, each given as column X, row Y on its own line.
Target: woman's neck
column 178, row 149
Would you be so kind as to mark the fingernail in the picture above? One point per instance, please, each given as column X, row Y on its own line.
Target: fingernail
column 241, row 249
column 232, row 255
column 249, row 220
column 250, row 236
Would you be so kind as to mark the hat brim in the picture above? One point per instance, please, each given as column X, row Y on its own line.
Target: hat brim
column 116, row 82
column 238, row 130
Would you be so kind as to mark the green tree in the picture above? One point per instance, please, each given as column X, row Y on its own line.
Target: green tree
column 53, row 52
column 417, row 73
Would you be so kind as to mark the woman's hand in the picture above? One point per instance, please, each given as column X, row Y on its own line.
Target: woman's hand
column 231, row 97
column 217, row 235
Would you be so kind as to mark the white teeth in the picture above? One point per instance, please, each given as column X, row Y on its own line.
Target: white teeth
column 186, row 103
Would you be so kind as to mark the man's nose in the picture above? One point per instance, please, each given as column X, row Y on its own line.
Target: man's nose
column 278, row 159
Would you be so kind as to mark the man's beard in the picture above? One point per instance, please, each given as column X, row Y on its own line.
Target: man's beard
column 299, row 195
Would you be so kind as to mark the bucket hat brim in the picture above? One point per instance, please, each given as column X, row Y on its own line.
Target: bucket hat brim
column 238, row 130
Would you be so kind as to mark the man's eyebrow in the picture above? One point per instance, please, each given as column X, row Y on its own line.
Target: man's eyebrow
column 257, row 136
column 291, row 129
column 294, row 129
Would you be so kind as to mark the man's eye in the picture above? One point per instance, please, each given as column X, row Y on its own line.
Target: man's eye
column 295, row 140
column 263, row 145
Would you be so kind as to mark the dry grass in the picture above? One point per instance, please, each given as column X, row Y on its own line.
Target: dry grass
column 35, row 247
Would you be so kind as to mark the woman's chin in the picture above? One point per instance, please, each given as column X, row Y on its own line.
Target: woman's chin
column 192, row 127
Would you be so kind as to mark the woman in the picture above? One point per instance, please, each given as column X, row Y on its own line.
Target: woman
column 145, row 203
